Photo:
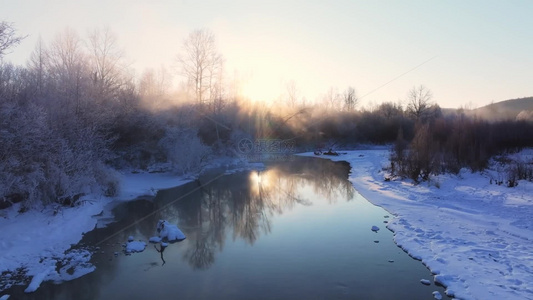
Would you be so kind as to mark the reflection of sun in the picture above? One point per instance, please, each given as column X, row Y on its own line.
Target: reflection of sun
column 260, row 181
column 259, row 178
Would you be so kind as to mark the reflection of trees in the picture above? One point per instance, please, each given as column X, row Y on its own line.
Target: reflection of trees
column 246, row 202
column 201, row 254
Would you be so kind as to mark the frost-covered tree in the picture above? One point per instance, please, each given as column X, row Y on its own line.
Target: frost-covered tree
column 350, row 99
column 418, row 102
column 332, row 99
column 107, row 64
column 201, row 64
column 68, row 72
column 184, row 149
column 8, row 37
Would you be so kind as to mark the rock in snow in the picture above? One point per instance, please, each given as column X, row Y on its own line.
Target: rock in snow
column 169, row 231
column 375, row 228
column 135, row 246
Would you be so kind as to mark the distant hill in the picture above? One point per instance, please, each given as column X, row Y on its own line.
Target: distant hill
column 513, row 109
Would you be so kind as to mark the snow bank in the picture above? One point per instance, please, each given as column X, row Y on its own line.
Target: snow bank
column 140, row 184
column 37, row 280
column 169, row 232
column 476, row 237
column 37, row 239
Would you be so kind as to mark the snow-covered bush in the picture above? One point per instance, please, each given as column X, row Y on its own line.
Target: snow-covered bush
column 184, row 149
column 41, row 164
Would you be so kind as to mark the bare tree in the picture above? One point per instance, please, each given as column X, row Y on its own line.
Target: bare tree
column 332, row 99
column 418, row 102
column 8, row 37
column 106, row 62
column 37, row 65
column 350, row 99
column 389, row 110
column 292, row 93
column 201, row 63
column 154, row 87
column 68, row 70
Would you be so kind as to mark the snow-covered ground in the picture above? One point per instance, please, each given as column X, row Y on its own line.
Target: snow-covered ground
column 476, row 237
column 37, row 240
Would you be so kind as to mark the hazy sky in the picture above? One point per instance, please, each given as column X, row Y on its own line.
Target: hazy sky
column 482, row 50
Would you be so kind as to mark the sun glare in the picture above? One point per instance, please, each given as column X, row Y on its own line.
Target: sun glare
column 259, row 178
column 261, row 89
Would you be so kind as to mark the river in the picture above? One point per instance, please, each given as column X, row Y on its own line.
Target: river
column 295, row 230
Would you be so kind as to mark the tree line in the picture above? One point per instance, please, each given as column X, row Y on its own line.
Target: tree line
column 77, row 112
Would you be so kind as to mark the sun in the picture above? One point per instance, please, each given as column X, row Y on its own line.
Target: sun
column 261, row 89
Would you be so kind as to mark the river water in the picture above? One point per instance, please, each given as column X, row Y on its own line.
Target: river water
column 295, row 230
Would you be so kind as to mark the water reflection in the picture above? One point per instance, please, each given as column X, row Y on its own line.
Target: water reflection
column 243, row 205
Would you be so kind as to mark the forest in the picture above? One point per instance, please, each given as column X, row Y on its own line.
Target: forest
column 76, row 113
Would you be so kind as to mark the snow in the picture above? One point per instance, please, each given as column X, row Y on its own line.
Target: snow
column 169, row 232
column 425, row 281
column 37, row 280
column 437, row 295
column 4, row 297
column 155, row 239
column 135, row 246
column 38, row 239
column 141, row 184
column 476, row 237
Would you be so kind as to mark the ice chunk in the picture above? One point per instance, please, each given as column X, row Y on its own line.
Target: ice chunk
column 130, row 238
column 375, row 228
column 169, row 231
column 425, row 281
column 135, row 246
column 155, row 239
column 437, row 295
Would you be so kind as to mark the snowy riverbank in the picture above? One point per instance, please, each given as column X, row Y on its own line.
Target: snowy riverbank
column 475, row 236
column 33, row 243
column 36, row 240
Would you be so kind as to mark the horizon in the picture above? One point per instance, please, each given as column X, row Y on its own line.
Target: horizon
column 469, row 54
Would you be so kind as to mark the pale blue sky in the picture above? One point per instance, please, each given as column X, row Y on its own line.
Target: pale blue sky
column 482, row 49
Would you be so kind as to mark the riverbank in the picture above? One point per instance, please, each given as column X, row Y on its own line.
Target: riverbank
column 34, row 242
column 476, row 237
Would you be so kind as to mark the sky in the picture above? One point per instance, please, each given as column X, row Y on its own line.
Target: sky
column 468, row 53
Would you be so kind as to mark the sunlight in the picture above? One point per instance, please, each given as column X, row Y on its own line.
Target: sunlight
column 261, row 88
column 260, row 181
column 259, row 178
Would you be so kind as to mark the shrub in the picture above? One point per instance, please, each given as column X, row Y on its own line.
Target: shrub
column 184, row 149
